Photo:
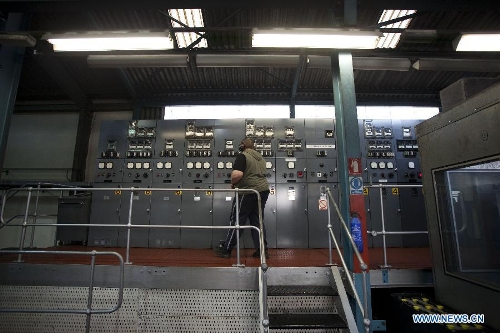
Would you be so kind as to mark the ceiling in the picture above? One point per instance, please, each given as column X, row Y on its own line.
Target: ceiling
column 59, row 81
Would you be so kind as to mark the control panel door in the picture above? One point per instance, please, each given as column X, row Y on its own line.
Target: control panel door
column 165, row 210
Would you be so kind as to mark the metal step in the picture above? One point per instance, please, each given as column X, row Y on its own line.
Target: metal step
column 305, row 321
column 301, row 291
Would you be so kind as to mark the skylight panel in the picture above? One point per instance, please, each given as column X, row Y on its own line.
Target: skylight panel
column 192, row 18
column 391, row 40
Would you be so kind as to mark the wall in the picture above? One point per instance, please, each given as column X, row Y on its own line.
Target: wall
column 41, row 147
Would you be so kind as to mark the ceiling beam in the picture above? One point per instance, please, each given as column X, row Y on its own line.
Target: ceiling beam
column 78, row 5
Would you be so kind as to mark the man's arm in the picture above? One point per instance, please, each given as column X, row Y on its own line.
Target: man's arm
column 236, row 175
column 238, row 169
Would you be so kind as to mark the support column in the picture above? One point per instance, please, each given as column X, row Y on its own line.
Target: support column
column 11, row 63
column 350, row 169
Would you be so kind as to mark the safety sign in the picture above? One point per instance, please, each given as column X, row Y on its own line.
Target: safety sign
column 355, row 185
column 322, row 204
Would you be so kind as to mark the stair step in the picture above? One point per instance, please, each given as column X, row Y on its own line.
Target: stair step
column 300, row 291
column 305, row 321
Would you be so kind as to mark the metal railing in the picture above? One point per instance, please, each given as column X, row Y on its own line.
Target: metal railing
column 88, row 311
column 363, row 266
column 384, row 232
column 262, row 277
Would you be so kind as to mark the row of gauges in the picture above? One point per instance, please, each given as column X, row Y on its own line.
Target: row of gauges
column 388, row 165
column 107, row 165
column 197, row 165
column 382, row 165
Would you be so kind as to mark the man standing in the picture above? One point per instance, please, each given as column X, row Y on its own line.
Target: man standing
column 249, row 172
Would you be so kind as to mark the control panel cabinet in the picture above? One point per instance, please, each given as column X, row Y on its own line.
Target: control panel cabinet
column 141, row 205
column 378, row 151
column 113, row 139
column 292, row 230
column 269, row 219
column 320, row 138
column 165, row 210
column 228, row 135
column 105, row 210
column 263, row 133
column 222, row 205
column 290, row 138
column 317, row 212
column 138, row 172
column 198, row 155
column 109, row 171
column 413, row 216
column 167, row 170
column 196, row 210
column 322, row 170
column 73, row 210
column 291, row 170
column 392, row 216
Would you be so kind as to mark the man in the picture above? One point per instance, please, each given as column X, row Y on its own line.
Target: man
column 249, row 172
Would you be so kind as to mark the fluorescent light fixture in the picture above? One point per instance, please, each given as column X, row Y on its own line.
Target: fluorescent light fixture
column 391, row 40
column 458, row 65
column 364, row 63
column 191, row 18
column 110, row 41
column 478, row 42
column 316, row 38
column 137, row 60
column 246, row 60
column 17, row 39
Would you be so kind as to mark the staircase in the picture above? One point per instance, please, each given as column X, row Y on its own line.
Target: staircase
column 302, row 300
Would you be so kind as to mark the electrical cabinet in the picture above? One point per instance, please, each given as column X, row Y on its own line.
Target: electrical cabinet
column 141, row 205
column 292, row 228
column 165, row 210
column 196, row 210
column 73, row 210
column 105, row 210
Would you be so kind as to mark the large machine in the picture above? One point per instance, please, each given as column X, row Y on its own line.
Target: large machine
column 301, row 160
column 461, row 166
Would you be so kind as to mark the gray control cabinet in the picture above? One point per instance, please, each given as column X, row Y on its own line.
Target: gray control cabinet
column 141, row 205
column 222, row 205
column 105, row 210
column 318, row 218
column 292, row 230
column 413, row 216
column 392, row 216
column 197, row 211
column 269, row 221
column 73, row 210
column 165, row 210
column 198, row 154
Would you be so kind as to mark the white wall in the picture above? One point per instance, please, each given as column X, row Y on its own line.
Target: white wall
column 40, row 147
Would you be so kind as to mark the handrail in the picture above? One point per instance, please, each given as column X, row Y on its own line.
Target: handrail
column 383, row 232
column 129, row 226
column 363, row 308
column 88, row 311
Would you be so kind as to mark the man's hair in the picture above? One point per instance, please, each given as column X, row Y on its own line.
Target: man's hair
column 248, row 143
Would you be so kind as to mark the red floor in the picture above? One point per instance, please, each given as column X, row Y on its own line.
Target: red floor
column 398, row 258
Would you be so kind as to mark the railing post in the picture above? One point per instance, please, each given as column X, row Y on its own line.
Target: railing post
column 382, row 219
column 129, row 226
column 35, row 215
column 329, row 226
column 237, row 225
column 25, row 222
column 91, row 292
